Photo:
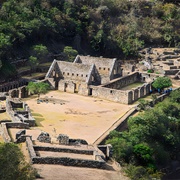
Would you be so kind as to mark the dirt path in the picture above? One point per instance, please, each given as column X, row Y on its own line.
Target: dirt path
column 54, row 172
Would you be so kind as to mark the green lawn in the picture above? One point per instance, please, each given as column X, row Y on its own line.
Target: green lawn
column 34, row 75
column 134, row 85
column 38, row 118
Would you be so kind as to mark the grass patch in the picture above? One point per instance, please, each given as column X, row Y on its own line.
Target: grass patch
column 4, row 116
column 1, row 139
column 19, row 109
column 37, row 114
column 10, row 134
column 34, row 75
column 38, row 121
column 38, row 118
column 133, row 85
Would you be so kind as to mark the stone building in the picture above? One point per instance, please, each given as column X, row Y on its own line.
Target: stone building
column 98, row 77
column 84, row 71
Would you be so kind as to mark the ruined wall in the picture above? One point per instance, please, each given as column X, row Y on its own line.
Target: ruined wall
column 19, row 116
column 121, row 96
column 112, row 94
column 57, row 149
column 5, row 133
column 17, row 125
column 72, row 87
column 123, row 81
column 69, row 162
column 83, row 89
column 100, row 163
column 5, row 87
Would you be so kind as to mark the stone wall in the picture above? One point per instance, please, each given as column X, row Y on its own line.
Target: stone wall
column 17, row 125
column 55, row 149
column 99, row 163
column 112, row 94
column 69, row 162
column 125, row 97
column 5, row 87
column 5, row 133
column 30, row 148
column 171, row 72
column 19, row 116
column 20, row 92
column 123, row 81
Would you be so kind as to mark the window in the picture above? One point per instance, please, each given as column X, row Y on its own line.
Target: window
column 72, row 74
column 77, row 75
column 99, row 68
column 104, row 68
column 108, row 69
column 68, row 74
column 86, row 75
column 81, row 75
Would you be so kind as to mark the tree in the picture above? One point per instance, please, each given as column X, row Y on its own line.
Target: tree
column 143, row 153
column 33, row 62
column 143, row 104
column 70, row 53
column 13, row 165
column 175, row 96
column 161, row 83
column 40, row 52
column 38, row 88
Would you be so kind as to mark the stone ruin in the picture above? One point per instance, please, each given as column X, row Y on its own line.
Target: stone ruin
column 21, row 136
column 63, row 139
column 44, row 137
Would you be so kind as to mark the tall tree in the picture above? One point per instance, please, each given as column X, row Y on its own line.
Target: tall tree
column 162, row 82
column 13, row 165
column 33, row 63
column 38, row 88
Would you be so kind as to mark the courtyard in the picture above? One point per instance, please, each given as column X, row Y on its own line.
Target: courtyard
column 77, row 116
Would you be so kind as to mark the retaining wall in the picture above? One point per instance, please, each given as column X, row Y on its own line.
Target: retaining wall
column 5, row 133
column 123, row 81
column 17, row 125
column 55, row 149
column 121, row 96
column 69, row 162
column 11, row 85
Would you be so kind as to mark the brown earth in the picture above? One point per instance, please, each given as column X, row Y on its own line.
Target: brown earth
column 79, row 117
column 54, row 172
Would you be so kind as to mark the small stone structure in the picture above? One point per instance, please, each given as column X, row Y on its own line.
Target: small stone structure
column 19, row 115
column 63, row 139
column 20, row 133
column 164, row 61
column 97, row 162
column 20, row 92
column 44, row 137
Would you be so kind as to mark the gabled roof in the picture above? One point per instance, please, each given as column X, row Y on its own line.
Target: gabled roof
column 98, row 61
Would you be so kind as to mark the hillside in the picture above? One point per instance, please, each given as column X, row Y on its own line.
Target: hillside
column 112, row 28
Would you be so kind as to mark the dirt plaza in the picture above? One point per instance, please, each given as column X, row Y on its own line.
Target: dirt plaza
column 77, row 116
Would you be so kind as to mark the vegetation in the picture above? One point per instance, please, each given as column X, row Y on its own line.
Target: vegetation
column 13, row 165
column 152, row 140
column 70, row 53
column 102, row 27
column 38, row 88
column 162, row 82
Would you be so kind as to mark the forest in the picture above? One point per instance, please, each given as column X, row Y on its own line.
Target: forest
column 111, row 28
column 152, row 141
